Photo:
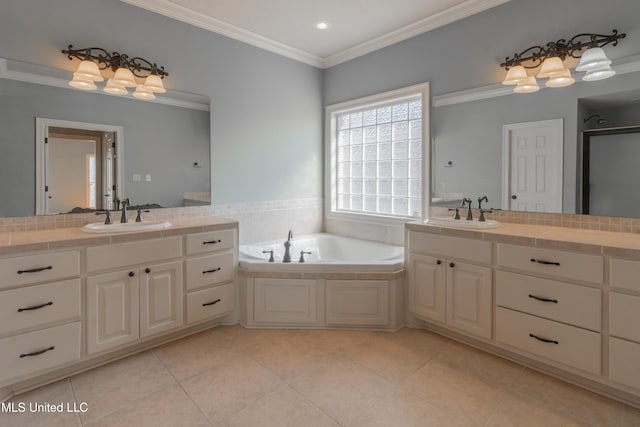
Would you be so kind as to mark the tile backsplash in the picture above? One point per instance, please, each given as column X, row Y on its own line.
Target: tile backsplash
column 259, row 221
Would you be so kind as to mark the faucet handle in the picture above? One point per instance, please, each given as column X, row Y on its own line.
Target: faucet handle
column 271, row 258
column 139, row 217
column 482, row 212
column 106, row 212
column 457, row 216
column 302, row 255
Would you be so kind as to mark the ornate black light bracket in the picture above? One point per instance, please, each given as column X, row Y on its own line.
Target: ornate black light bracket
column 535, row 55
column 140, row 67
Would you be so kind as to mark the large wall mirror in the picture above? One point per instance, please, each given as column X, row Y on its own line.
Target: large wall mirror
column 99, row 147
column 526, row 151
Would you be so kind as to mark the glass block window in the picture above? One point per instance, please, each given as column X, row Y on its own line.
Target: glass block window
column 377, row 159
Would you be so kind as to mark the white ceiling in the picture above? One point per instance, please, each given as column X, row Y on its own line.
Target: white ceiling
column 287, row 27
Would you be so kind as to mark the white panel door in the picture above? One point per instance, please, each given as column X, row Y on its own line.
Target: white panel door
column 112, row 310
column 161, row 296
column 427, row 287
column 469, row 298
column 532, row 166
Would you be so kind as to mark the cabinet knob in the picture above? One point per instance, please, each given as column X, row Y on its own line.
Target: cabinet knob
column 439, row 262
column 132, row 273
column 451, row 264
column 147, row 270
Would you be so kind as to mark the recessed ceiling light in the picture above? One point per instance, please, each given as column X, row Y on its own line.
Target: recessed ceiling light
column 322, row 25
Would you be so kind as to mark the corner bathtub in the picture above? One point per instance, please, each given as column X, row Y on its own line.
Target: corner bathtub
column 328, row 253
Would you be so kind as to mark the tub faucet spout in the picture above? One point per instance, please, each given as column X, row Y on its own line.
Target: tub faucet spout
column 287, row 246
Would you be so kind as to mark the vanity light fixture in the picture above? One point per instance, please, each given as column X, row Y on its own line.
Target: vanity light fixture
column 125, row 69
column 551, row 58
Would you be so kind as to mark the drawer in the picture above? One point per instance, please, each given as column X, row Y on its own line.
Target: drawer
column 210, row 242
column 44, row 267
column 624, row 316
column 134, row 253
column 624, row 274
column 450, row 247
column 573, row 304
column 23, row 355
column 572, row 346
column 566, row 265
column 623, row 362
column 209, row 270
column 211, row 303
column 24, row 308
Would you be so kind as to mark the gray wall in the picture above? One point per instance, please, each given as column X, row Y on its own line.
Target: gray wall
column 159, row 140
column 467, row 54
column 266, row 117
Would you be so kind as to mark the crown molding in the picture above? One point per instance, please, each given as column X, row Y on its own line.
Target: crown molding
column 440, row 19
column 38, row 74
column 189, row 16
column 630, row 64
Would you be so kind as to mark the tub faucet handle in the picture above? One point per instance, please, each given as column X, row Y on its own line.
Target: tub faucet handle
column 302, row 255
column 108, row 214
column 271, row 258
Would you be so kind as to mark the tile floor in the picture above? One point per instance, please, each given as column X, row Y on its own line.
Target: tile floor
column 232, row 376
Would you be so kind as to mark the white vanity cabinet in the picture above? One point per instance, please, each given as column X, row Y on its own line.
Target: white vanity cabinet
column 141, row 300
column 624, row 318
column 551, row 319
column 40, row 314
column 210, row 274
column 444, row 285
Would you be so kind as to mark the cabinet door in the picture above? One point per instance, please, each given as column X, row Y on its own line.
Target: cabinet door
column 161, row 297
column 112, row 310
column 427, row 287
column 469, row 298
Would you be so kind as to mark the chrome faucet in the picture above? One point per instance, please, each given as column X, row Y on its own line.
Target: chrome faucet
column 287, row 245
column 124, row 218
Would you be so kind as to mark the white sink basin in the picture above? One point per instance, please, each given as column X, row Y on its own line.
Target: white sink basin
column 444, row 221
column 100, row 227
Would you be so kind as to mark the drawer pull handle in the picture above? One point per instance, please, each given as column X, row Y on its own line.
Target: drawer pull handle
column 539, row 261
column 212, row 270
column 20, row 310
column 212, row 242
column 36, row 270
column 544, row 339
column 211, row 303
column 439, row 262
column 555, row 301
column 37, row 353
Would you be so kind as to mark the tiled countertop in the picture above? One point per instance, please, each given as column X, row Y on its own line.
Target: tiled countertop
column 23, row 241
column 561, row 238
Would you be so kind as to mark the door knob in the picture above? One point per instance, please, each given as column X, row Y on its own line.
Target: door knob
column 514, row 197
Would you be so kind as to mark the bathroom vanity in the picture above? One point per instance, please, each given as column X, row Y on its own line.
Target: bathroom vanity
column 70, row 301
column 560, row 300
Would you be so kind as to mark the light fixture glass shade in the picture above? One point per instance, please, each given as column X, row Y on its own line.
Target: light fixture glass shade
column 529, row 85
column 515, row 75
column 124, row 77
column 114, row 88
column 560, row 79
column 82, row 83
column 153, row 83
column 89, row 71
column 600, row 73
column 593, row 58
column 142, row 93
column 550, row 66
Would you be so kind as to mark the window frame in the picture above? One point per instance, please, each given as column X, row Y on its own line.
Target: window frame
column 331, row 113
